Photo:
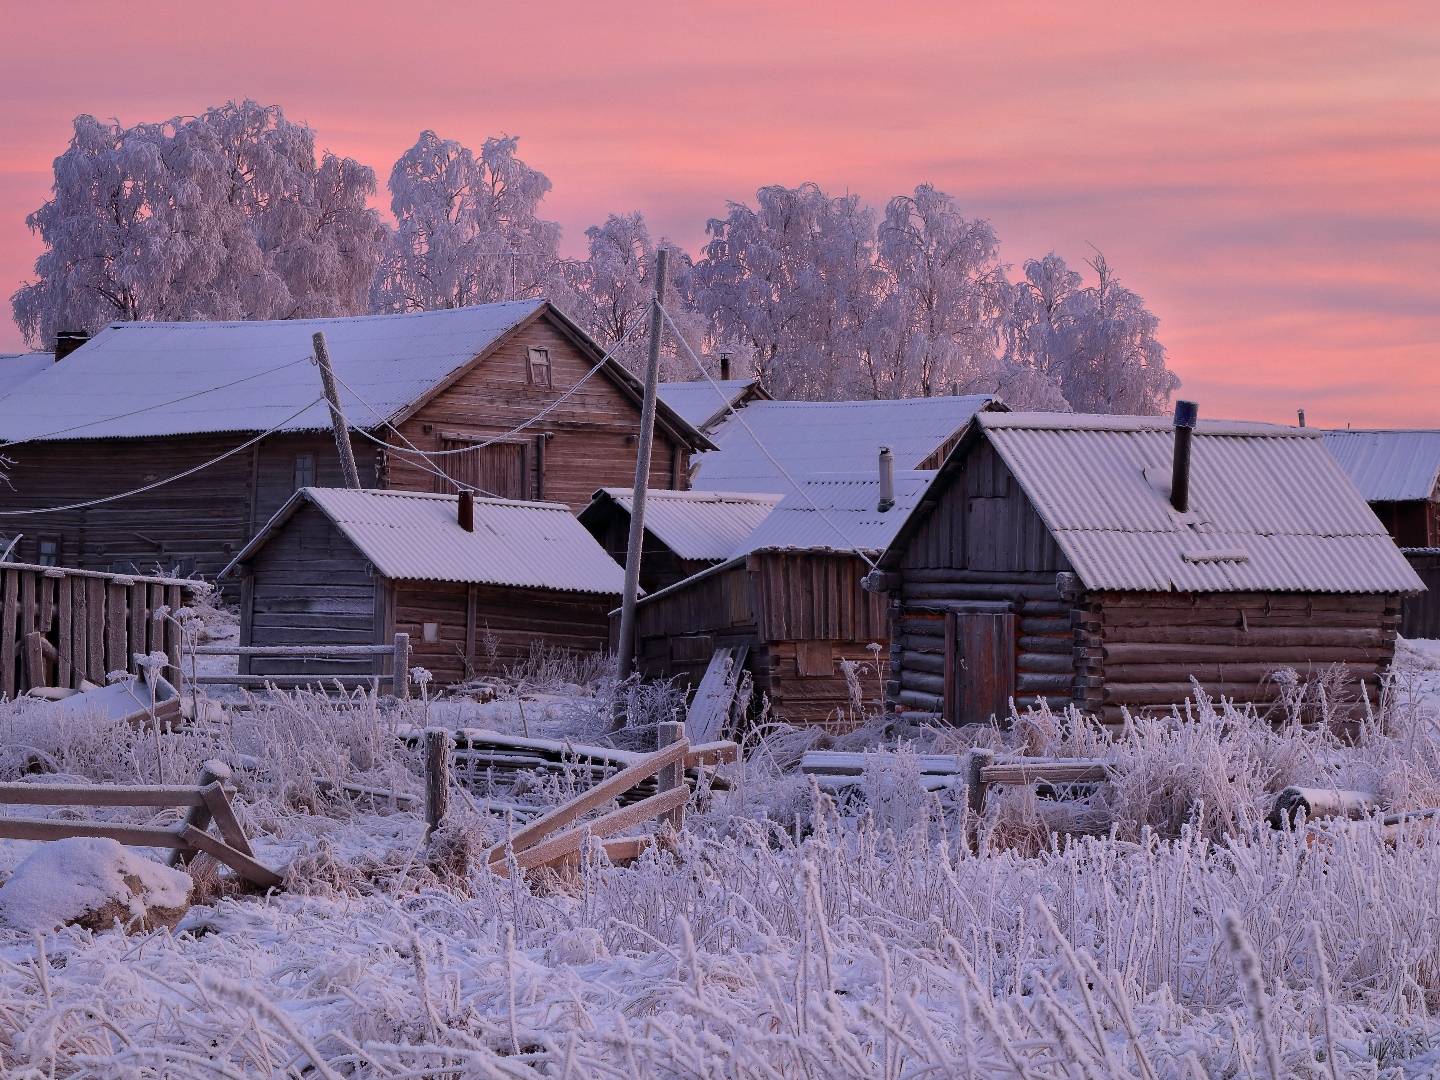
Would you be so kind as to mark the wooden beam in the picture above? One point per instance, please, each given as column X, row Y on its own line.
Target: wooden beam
column 241, row 863
column 117, row 658
column 218, row 803
column 19, row 828
column 12, row 794
column 95, row 630
column 568, row 842
column 66, row 646
column 9, row 613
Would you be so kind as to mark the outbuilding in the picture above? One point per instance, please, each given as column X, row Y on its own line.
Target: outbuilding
column 1108, row 561
column 338, row 566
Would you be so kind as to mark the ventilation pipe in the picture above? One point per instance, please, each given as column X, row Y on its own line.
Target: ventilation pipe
column 1186, row 413
column 724, row 367
column 887, row 479
column 1302, row 417
column 467, row 510
column 67, row 341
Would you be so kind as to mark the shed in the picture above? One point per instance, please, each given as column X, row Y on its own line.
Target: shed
column 706, row 404
column 1048, row 562
column 338, row 566
column 685, row 531
column 797, row 438
column 511, row 399
column 790, row 594
column 1398, row 472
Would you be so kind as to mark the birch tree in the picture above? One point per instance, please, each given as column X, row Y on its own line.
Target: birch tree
column 222, row 216
column 468, row 228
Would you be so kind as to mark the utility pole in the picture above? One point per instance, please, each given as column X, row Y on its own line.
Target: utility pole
column 337, row 416
column 626, row 645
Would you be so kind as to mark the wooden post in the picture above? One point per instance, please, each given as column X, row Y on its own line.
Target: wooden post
column 437, row 778
column 337, row 417
column 979, row 758
column 668, row 733
column 400, row 680
column 198, row 817
column 626, row 645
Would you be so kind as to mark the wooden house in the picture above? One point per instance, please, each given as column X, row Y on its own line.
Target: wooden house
column 1049, row 562
column 338, row 566
column 705, row 404
column 1398, row 473
column 791, row 596
column 685, row 531
column 211, row 427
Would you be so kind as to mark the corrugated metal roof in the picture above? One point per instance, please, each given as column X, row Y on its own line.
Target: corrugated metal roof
column 390, row 360
column 820, row 436
column 19, row 368
column 702, row 403
column 850, row 516
column 414, row 536
column 1270, row 509
column 698, row 524
column 1388, row 466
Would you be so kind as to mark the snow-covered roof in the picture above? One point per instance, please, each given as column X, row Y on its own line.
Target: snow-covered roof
column 827, row 436
column 705, row 403
column 1270, row 509
column 18, row 368
column 1388, row 466
column 839, row 511
column 694, row 524
column 416, row 536
column 153, row 379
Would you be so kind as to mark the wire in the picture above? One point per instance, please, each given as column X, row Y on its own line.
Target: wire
column 730, row 408
column 158, row 405
column 168, row 479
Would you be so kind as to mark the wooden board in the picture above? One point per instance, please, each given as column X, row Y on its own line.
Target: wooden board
column 711, row 706
column 982, row 675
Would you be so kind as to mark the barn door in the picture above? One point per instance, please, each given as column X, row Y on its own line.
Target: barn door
column 497, row 469
column 979, row 667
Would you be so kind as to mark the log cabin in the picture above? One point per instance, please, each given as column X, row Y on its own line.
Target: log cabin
column 337, row 566
column 685, row 531
column 1398, row 473
column 791, row 595
column 508, row 399
column 1106, row 561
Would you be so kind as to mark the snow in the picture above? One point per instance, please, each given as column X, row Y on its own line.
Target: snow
column 65, row 880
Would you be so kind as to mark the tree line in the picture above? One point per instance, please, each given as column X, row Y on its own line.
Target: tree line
column 232, row 215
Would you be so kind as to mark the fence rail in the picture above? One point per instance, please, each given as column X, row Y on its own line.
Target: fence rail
column 396, row 679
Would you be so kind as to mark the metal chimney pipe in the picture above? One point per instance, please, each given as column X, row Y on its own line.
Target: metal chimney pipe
column 67, row 341
column 467, row 510
column 724, row 367
column 1302, row 417
column 1186, row 412
column 887, row 480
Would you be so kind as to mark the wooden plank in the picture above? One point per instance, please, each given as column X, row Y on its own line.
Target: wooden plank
column 47, row 583
column 986, row 648
column 318, row 651
column 238, row 861
column 844, row 763
column 710, row 707
column 1054, row 772
column 29, row 615
column 599, row 795
column 19, row 828
column 288, row 682
column 79, row 637
column 36, row 666
column 470, row 619
column 65, row 649
column 117, row 619
column 139, row 613
column 95, row 630
column 950, row 670
column 568, row 842
column 174, row 600
column 9, row 613
column 225, row 820
column 12, row 794
column 714, row 753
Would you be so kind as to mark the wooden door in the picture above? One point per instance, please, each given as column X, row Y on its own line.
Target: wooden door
column 497, row 470
column 979, row 667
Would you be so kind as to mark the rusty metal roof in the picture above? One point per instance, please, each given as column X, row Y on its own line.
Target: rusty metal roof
column 1389, row 466
column 808, row 437
column 1270, row 509
column 707, row 525
column 415, row 536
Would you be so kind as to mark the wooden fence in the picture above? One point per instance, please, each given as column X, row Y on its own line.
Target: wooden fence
column 88, row 623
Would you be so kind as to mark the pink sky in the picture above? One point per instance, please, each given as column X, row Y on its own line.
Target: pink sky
column 1266, row 175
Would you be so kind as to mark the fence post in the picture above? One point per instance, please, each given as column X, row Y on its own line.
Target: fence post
column 199, row 816
column 437, row 778
column 400, row 683
column 667, row 733
column 977, row 760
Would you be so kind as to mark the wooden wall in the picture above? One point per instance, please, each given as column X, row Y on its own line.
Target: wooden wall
column 678, row 632
column 484, row 629
column 1413, row 524
column 593, row 444
column 309, row 586
column 1420, row 615
column 660, row 567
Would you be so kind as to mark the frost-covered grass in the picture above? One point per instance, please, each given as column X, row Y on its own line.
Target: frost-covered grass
column 778, row 936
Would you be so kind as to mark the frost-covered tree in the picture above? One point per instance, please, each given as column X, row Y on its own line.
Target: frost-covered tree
column 795, row 282
column 468, row 230
column 221, row 216
column 1097, row 343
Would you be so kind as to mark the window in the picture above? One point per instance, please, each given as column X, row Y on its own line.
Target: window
column 431, row 631
column 495, row 471
column 49, row 552
column 304, row 471
column 539, row 365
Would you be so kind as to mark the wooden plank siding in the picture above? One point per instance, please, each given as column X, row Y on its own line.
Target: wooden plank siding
column 1420, row 615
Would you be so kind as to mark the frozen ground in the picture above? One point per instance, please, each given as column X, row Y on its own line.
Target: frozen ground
column 778, row 938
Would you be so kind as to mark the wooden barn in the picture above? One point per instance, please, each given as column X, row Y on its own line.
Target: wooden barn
column 685, row 531
column 1398, row 473
column 142, row 404
column 791, row 597
column 338, row 566
column 1050, row 561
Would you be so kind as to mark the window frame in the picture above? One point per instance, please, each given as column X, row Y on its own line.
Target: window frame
column 40, row 542
column 309, row 459
column 546, row 363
